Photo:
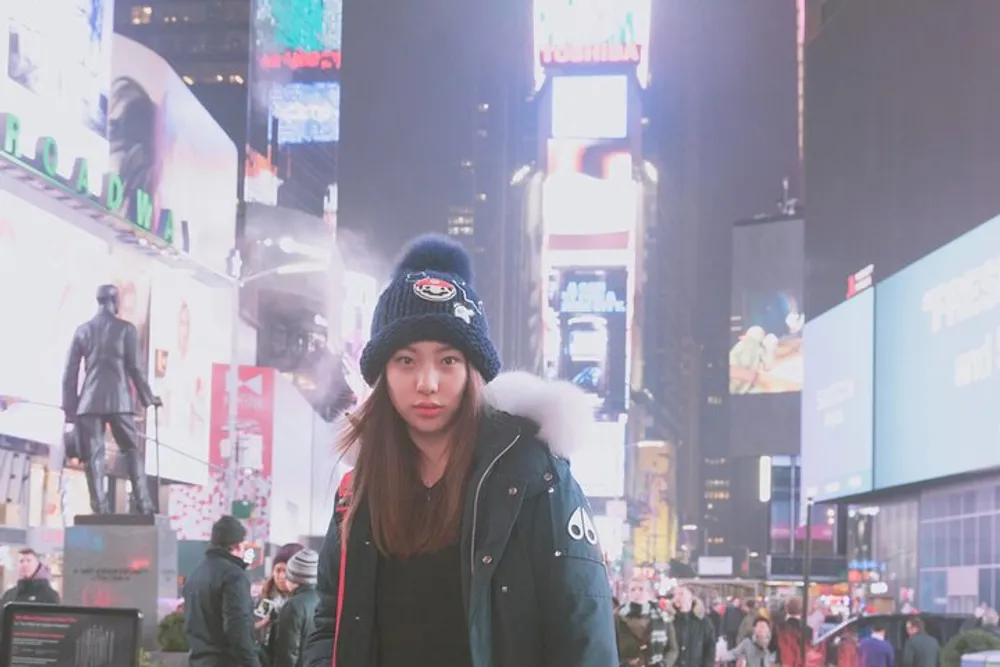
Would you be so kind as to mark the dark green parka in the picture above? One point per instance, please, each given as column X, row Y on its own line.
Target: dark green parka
column 533, row 573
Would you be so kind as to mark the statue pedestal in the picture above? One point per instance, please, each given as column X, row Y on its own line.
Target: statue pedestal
column 123, row 560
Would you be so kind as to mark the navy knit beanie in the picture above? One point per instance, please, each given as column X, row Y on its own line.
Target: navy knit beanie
column 430, row 298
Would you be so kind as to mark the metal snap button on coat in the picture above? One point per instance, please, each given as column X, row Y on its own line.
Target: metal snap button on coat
column 558, row 554
column 487, row 560
column 504, row 589
column 512, row 491
column 547, row 477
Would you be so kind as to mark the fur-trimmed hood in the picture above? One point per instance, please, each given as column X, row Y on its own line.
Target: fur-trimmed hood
column 561, row 410
column 697, row 608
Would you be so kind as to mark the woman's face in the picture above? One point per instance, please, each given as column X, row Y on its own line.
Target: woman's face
column 426, row 382
column 278, row 573
column 762, row 633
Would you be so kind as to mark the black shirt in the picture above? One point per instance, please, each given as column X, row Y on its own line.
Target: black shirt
column 419, row 611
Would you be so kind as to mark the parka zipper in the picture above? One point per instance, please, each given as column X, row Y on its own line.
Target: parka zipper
column 475, row 502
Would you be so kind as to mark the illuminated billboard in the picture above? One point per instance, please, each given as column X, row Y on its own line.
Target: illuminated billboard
column 589, row 308
column 55, row 75
column 294, row 118
column 765, row 329
column 765, row 354
column 592, row 32
column 306, row 113
column 937, row 363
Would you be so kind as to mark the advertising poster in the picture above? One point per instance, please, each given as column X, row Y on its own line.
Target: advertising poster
column 58, row 269
column 295, row 107
column 838, row 400
column 765, row 355
column 937, row 363
column 55, row 64
column 654, row 537
column 163, row 141
column 185, row 339
column 591, row 308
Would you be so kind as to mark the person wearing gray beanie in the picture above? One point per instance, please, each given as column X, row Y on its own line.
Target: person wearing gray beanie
column 295, row 621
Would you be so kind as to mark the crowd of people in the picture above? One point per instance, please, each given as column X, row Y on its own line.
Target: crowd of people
column 681, row 630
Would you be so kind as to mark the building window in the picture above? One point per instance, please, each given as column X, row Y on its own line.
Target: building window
column 142, row 15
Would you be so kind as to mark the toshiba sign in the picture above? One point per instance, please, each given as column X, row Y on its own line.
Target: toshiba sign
column 594, row 53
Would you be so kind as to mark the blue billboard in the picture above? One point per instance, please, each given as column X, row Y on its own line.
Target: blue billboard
column 937, row 363
column 838, row 400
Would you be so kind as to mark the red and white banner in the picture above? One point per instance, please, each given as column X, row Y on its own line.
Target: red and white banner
column 193, row 509
column 254, row 418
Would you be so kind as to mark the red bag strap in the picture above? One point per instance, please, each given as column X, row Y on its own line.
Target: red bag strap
column 344, row 494
column 340, row 597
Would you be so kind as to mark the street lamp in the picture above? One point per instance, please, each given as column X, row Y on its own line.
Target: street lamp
column 233, row 380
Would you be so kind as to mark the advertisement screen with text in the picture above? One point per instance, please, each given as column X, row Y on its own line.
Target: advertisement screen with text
column 56, row 636
column 838, row 400
column 937, row 363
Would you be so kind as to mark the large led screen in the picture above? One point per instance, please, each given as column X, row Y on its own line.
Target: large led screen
column 838, row 400
column 294, row 119
column 766, row 321
column 765, row 354
column 937, row 363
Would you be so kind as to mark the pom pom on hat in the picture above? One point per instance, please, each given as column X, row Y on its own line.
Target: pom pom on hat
column 434, row 252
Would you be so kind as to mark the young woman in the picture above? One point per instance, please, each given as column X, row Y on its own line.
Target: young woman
column 467, row 542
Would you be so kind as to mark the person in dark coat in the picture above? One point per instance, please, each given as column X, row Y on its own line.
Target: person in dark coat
column 296, row 621
column 33, row 583
column 695, row 633
column 646, row 637
column 731, row 621
column 467, row 543
column 921, row 649
column 218, row 607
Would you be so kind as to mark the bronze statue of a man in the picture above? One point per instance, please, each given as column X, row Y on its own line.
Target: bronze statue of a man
column 108, row 347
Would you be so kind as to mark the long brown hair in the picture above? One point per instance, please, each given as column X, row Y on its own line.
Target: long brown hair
column 405, row 520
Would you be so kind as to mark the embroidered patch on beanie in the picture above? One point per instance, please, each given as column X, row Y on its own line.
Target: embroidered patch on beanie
column 431, row 298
